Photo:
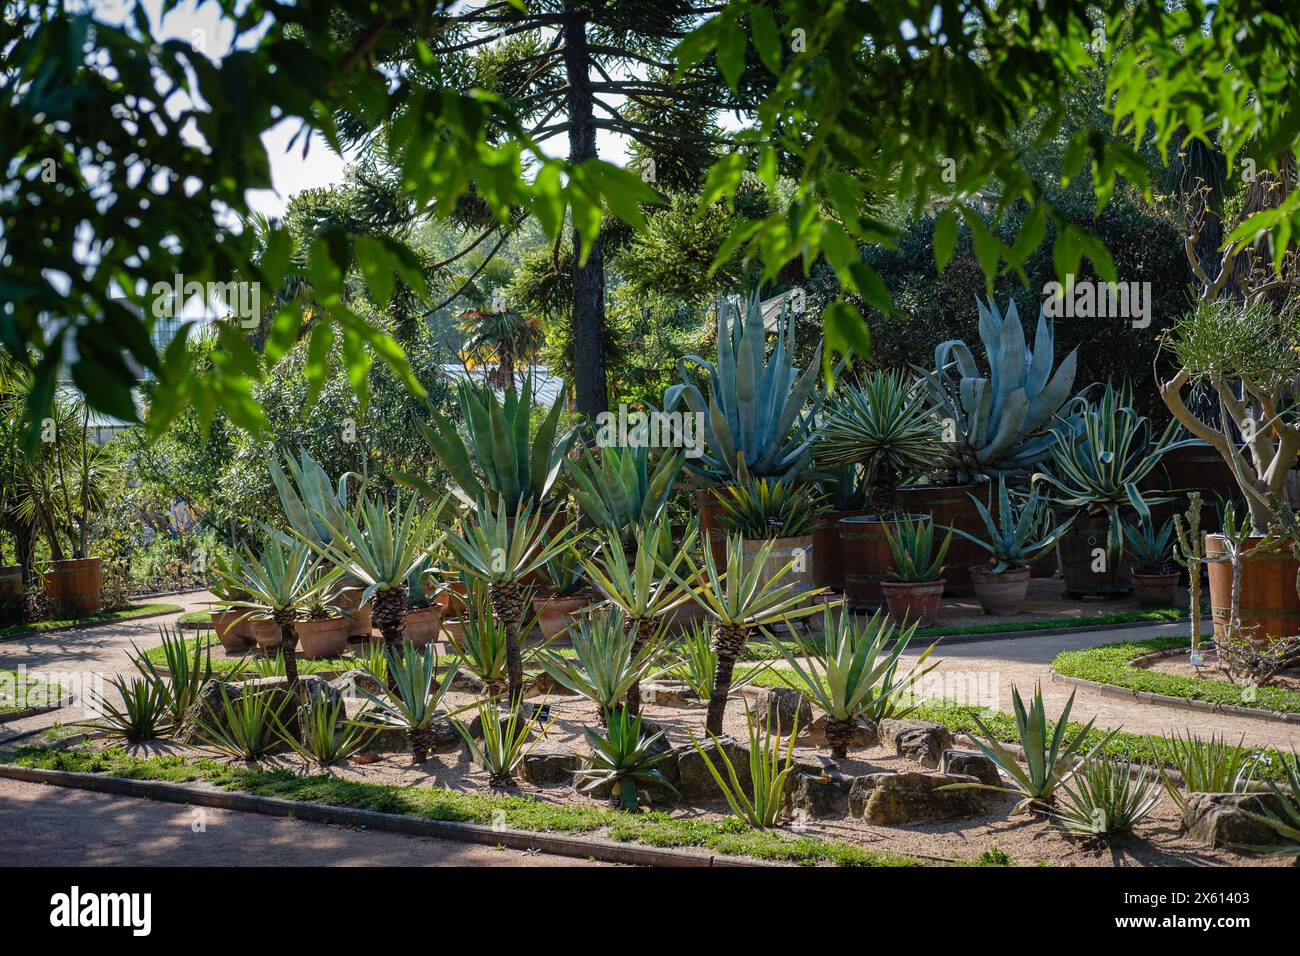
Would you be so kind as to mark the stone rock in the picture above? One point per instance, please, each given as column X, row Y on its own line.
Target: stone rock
column 1217, row 819
column 865, row 735
column 818, row 794
column 972, row 763
column 544, row 685
column 696, row 781
column 549, row 765
column 923, row 741
column 780, row 705
column 320, row 691
column 395, row 740
column 209, row 706
column 468, row 683
column 667, row 693
column 912, row 797
column 352, row 683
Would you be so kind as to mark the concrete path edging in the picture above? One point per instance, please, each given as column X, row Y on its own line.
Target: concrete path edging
column 560, row 845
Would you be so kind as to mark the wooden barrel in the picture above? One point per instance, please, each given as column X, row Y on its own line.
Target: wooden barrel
column 951, row 506
column 11, row 594
column 784, row 551
column 867, row 559
column 1269, row 602
column 828, row 552
column 75, row 588
column 711, row 530
column 1077, row 553
column 1199, row 468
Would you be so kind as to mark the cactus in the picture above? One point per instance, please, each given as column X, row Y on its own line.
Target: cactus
column 999, row 425
column 1191, row 552
column 758, row 416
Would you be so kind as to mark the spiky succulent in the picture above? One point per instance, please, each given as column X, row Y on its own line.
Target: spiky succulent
column 1023, row 531
column 620, row 489
column 999, row 424
column 761, row 509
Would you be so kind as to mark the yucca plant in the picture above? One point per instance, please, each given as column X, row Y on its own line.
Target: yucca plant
column 768, row 772
column 1206, row 766
column 505, row 742
column 760, row 412
column 642, row 587
column 502, row 549
column 619, row 490
column 622, row 757
column 1107, row 797
column 143, row 715
column 380, row 548
column 278, row 584
column 743, row 597
column 1286, row 823
column 760, row 510
column 1049, row 759
column 604, row 663
column 911, row 544
column 413, row 696
column 323, row 736
column 1150, row 548
column 1022, row 532
column 372, row 658
column 999, row 424
column 886, row 425
column 697, row 665
column 248, row 730
column 481, row 645
column 495, row 460
column 850, row 670
column 189, row 667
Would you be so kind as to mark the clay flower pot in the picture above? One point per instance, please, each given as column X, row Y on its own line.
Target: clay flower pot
column 235, row 635
column 325, row 638
column 1155, row 590
column 555, row 612
column 1001, row 594
column 423, row 624
column 913, row 602
column 265, row 634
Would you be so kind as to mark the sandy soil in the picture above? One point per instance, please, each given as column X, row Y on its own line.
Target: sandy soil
column 1288, row 679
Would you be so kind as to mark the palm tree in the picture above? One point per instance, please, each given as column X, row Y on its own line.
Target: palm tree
column 502, row 551
column 644, row 587
column 742, row 600
column 505, row 337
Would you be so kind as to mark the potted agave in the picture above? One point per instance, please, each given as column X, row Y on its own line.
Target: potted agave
column 322, row 629
column 913, row 597
column 776, row 521
column 564, row 593
column 424, row 609
column 1020, row 535
column 1155, row 575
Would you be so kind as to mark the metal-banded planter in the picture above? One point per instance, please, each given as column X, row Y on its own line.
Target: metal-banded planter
column 1269, row 603
column 76, row 587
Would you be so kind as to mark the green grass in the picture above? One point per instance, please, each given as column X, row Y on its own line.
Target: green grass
column 1152, row 616
column 136, row 610
column 222, row 666
column 1111, row 664
column 32, row 693
column 195, row 617
column 653, row 828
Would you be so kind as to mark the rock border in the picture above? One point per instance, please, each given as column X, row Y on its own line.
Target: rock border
column 606, row 851
column 13, row 715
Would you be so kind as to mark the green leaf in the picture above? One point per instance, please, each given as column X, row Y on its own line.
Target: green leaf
column 731, row 56
column 766, row 39
column 945, row 238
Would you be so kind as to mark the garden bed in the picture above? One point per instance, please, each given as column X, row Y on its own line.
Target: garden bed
column 103, row 617
column 33, row 697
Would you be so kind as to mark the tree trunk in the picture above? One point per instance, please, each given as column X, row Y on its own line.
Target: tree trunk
column 388, row 613
column 508, row 606
column 421, row 740
column 589, row 277
column 645, row 627
column 287, row 642
column 728, row 642
column 840, row 734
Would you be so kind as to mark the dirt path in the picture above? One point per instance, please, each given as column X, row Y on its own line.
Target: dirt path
column 51, row 826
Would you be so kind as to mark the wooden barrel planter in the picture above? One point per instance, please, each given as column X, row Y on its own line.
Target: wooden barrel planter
column 867, row 560
column 1076, row 551
column 952, row 507
column 1269, row 602
column 711, row 531
column 11, row 594
column 75, row 587
column 784, row 551
column 1196, row 468
column 828, row 553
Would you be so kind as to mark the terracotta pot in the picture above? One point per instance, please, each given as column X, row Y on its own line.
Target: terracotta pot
column 952, row 507
column 357, row 614
column 913, row 602
column 76, row 587
column 452, row 594
column 706, row 500
column 453, row 630
column 828, row 551
column 555, row 613
column 11, row 594
column 1269, row 603
column 423, row 624
column 1079, row 550
column 784, row 550
column 233, row 630
column 321, row 639
column 1155, row 590
column 867, row 559
column 266, row 634
column 1001, row 594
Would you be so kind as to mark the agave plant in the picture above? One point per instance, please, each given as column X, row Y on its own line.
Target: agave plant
column 1151, row 548
column 278, row 584
column 620, row 490
column 759, row 413
column 768, row 773
column 1106, row 797
column 623, row 756
column 310, row 501
column 247, row 728
column 911, row 544
column 1207, row 766
column 886, row 425
column 845, row 487
column 413, row 697
column 999, row 424
column 495, row 461
column 848, row 673
column 188, row 664
column 697, row 665
column 1286, row 823
column 1049, row 760
column 743, row 597
column 643, row 588
column 604, row 663
column 1022, row 532
column 323, row 736
column 481, row 644
column 1104, row 449
column 381, row 547
column 505, row 743
column 501, row 550
column 761, row 510
column 143, row 715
